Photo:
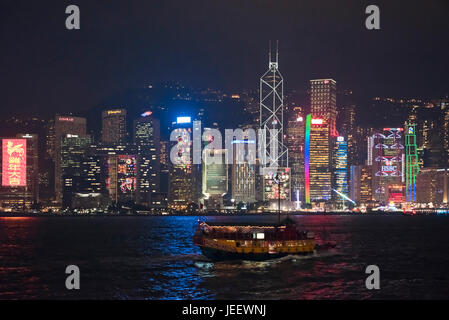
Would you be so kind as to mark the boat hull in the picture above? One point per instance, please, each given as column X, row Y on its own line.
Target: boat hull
column 221, row 255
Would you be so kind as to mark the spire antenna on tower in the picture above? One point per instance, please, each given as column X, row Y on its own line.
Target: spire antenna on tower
column 277, row 52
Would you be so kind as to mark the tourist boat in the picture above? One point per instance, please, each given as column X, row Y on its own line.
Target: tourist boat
column 253, row 242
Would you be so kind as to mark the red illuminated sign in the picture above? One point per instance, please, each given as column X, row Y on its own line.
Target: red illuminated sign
column 14, row 163
column 65, row 119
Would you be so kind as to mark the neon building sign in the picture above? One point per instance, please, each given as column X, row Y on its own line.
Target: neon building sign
column 307, row 158
column 14, row 163
column 183, row 120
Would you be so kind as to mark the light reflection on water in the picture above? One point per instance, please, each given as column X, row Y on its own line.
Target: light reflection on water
column 154, row 258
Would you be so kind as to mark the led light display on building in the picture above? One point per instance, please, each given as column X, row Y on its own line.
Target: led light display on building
column 307, row 159
column 387, row 164
column 126, row 173
column 215, row 174
column 14, row 163
column 277, row 183
column 183, row 120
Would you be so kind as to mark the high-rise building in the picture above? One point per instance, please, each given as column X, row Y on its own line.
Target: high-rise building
column 215, row 178
column 74, row 160
column 182, row 182
column 19, row 188
column 117, row 162
column 244, row 171
column 387, row 163
column 274, row 153
column 445, row 131
column 346, row 123
column 432, row 186
column 126, row 175
column 366, row 185
column 323, row 102
column 147, row 141
column 361, row 184
column 340, row 169
column 65, row 125
column 411, row 162
column 295, row 143
column 317, row 163
column 32, row 167
column 113, row 129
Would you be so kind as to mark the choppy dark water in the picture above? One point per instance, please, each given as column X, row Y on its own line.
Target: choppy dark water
column 153, row 258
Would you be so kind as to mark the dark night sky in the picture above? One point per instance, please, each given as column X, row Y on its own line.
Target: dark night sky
column 222, row 43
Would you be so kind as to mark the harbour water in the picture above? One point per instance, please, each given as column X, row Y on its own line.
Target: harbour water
column 154, row 258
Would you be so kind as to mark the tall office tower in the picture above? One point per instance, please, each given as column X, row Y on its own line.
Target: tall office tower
column 215, row 178
column 273, row 158
column 65, row 125
column 92, row 173
column 19, row 168
column 432, row 186
column 340, row 169
column 50, row 138
column 323, row 102
column 274, row 152
column 317, row 161
column 360, row 145
column 117, row 162
column 113, row 129
column 354, row 184
column 387, row 164
column 32, row 167
column 126, row 177
column 147, row 141
column 361, row 185
column 366, row 184
column 295, row 143
column 165, row 167
column 74, row 150
column 182, row 183
column 244, row 170
column 346, row 123
column 411, row 162
column 445, row 131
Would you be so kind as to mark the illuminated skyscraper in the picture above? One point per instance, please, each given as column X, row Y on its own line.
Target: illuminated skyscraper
column 317, row 165
column 411, row 162
column 65, row 125
column 274, row 152
column 183, row 174
column 74, row 153
column 361, row 190
column 432, row 186
column 244, row 171
column 366, row 184
column 147, row 141
column 346, row 124
column 340, row 168
column 445, row 131
column 113, row 129
column 19, row 172
column 323, row 102
column 388, row 161
column 215, row 178
column 295, row 143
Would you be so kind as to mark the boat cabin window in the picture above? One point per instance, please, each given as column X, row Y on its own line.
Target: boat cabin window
column 259, row 235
